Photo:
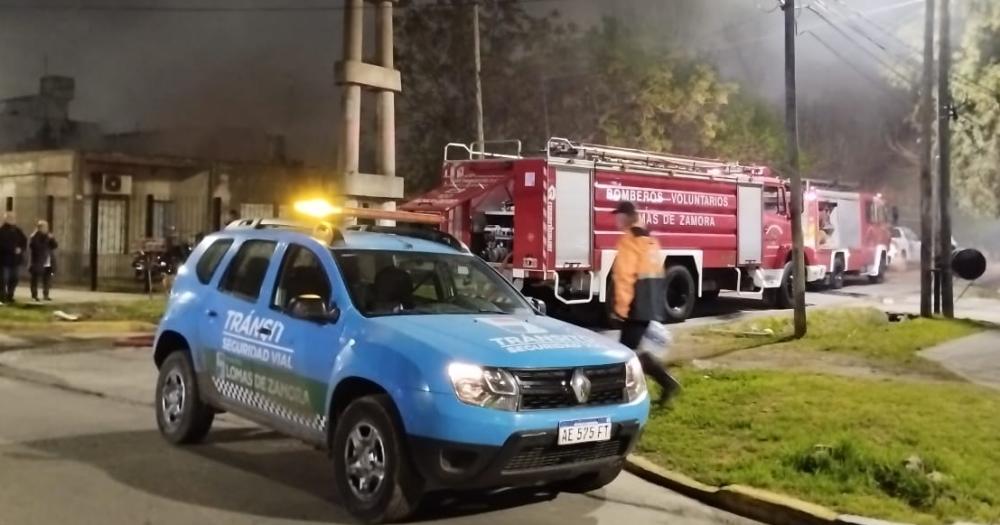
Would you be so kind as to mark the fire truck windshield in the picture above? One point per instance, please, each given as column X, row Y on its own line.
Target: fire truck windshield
column 385, row 283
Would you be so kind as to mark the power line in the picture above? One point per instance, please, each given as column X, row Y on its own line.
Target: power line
column 777, row 32
column 878, row 27
column 861, row 46
column 858, row 30
column 232, row 9
column 875, row 81
column 962, row 79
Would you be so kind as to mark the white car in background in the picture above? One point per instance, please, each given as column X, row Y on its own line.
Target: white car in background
column 904, row 247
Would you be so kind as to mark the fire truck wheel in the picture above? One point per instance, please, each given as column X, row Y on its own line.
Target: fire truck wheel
column 880, row 276
column 786, row 292
column 709, row 295
column 837, row 277
column 681, row 293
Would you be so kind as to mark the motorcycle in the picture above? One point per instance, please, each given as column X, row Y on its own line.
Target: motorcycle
column 150, row 266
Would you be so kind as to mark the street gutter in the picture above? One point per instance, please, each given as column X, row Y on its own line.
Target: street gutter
column 753, row 503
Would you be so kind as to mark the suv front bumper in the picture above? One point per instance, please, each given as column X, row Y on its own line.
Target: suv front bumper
column 527, row 458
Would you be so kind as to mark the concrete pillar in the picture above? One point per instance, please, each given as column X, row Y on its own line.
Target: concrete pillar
column 73, row 242
column 353, row 74
column 350, row 133
column 386, row 104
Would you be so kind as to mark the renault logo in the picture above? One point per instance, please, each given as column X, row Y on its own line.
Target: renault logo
column 580, row 384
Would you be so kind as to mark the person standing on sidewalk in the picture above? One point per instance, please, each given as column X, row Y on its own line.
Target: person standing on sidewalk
column 13, row 243
column 42, row 265
column 639, row 290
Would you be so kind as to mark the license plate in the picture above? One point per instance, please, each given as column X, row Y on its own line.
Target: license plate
column 584, row 431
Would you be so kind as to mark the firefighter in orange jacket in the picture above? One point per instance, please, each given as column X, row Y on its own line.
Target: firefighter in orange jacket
column 639, row 289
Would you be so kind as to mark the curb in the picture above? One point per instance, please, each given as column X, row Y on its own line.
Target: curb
column 757, row 504
column 136, row 341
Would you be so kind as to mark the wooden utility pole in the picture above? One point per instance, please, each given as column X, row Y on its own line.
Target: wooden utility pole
column 792, row 129
column 480, row 128
column 926, row 186
column 944, row 169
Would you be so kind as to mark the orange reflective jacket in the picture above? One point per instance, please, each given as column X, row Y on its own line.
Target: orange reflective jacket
column 638, row 276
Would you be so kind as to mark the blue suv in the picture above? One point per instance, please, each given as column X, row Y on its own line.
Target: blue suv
column 412, row 362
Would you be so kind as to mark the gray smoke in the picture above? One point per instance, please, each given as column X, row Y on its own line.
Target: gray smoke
column 273, row 70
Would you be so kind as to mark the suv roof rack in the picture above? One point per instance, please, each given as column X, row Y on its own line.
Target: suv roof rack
column 416, row 233
column 330, row 232
column 322, row 230
column 263, row 224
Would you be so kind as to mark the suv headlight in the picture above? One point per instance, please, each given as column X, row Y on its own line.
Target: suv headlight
column 635, row 380
column 484, row 387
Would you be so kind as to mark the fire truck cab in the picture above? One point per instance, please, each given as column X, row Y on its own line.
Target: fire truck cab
column 847, row 232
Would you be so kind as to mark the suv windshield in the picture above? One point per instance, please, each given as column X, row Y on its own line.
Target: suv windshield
column 406, row 283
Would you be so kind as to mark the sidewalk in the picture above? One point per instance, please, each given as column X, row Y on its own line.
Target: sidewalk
column 975, row 358
column 973, row 308
column 77, row 296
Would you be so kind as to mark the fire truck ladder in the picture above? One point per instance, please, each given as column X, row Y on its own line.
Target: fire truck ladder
column 469, row 151
column 833, row 185
column 560, row 147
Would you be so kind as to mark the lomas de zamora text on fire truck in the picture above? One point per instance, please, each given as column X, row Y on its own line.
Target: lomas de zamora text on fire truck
column 545, row 221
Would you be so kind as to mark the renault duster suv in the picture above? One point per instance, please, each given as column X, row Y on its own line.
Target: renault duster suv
column 412, row 362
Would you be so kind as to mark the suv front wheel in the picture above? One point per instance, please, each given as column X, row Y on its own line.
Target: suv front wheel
column 180, row 413
column 374, row 479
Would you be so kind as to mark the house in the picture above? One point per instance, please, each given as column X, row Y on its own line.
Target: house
column 42, row 120
column 108, row 195
column 105, row 206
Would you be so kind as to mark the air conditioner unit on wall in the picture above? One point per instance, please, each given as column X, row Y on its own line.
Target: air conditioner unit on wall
column 115, row 184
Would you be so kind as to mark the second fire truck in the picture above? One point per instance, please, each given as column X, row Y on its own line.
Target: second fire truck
column 546, row 222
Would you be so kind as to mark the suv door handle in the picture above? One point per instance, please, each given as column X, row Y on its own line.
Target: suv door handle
column 212, row 313
column 264, row 331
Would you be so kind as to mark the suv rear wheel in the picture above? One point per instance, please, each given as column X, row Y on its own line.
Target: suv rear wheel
column 181, row 415
column 373, row 477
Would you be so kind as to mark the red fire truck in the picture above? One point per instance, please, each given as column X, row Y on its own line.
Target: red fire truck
column 546, row 222
column 846, row 232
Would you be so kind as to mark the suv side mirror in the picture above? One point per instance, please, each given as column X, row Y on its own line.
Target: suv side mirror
column 538, row 305
column 313, row 308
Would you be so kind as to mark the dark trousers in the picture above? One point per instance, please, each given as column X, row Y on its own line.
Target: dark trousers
column 8, row 283
column 45, row 276
column 631, row 336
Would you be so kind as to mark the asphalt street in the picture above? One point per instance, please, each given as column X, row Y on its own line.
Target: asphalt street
column 78, row 444
column 900, row 292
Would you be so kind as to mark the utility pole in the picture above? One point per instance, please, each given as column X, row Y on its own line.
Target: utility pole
column 792, row 129
column 926, row 186
column 480, row 131
column 944, row 169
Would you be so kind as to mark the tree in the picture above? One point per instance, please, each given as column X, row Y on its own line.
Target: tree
column 976, row 135
column 542, row 77
column 751, row 132
column 435, row 56
column 648, row 101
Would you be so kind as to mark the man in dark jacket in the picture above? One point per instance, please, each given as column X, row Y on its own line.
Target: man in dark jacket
column 639, row 290
column 42, row 265
column 13, row 244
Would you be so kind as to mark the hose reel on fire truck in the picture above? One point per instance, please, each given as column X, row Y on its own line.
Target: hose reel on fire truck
column 558, row 292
